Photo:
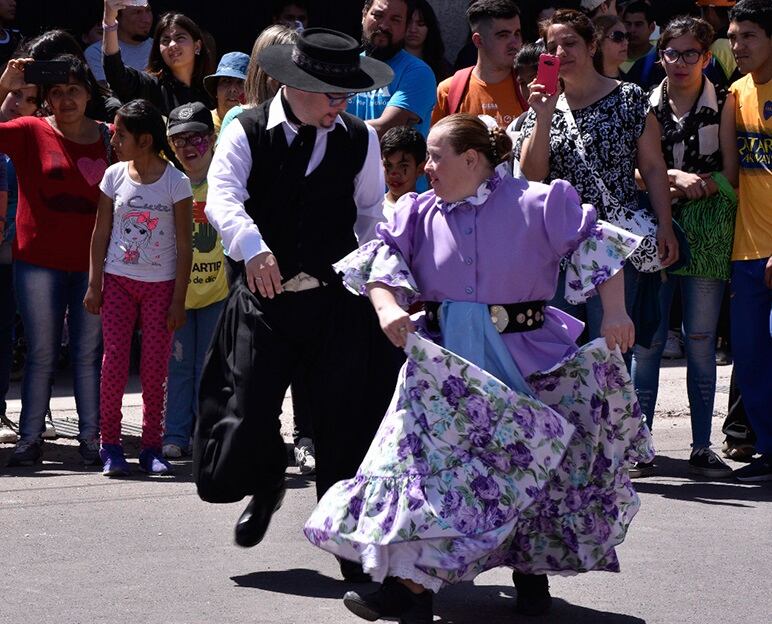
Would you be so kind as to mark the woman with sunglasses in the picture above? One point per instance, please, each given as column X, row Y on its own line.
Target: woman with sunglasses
column 696, row 121
column 178, row 62
column 612, row 46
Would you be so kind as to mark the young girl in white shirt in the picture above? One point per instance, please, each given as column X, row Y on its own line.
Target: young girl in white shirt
column 140, row 265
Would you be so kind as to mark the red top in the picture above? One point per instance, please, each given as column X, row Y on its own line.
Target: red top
column 58, row 193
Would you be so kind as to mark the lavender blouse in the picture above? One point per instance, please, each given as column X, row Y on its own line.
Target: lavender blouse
column 501, row 245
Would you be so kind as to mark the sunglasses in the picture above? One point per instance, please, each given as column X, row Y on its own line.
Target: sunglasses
column 338, row 98
column 690, row 57
column 191, row 139
column 618, row 36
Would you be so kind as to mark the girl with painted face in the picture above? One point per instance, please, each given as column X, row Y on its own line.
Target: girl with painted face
column 190, row 130
column 140, row 266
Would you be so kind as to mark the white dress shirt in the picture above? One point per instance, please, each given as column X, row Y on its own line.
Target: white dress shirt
column 229, row 173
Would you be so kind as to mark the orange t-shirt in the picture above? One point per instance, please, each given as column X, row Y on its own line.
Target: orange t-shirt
column 498, row 100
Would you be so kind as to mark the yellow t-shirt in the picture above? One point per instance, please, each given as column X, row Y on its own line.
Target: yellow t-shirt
column 208, row 283
column 217, row 122
column 753, row 229
column 481, row 98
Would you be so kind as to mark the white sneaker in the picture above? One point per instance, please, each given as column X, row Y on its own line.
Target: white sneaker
column 7, row 435
column 172, row 451
column 50, row 431
column 305, row 456
column 673, row 349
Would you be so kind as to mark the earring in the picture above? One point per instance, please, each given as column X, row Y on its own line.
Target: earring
column 198, row 51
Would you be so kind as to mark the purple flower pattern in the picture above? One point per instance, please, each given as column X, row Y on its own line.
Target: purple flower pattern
column 478, row 476
column 601, row 253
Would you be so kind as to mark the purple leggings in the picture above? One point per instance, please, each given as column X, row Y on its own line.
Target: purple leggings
column 123, row 300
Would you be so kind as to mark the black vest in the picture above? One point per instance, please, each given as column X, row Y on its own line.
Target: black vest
column 308, row 224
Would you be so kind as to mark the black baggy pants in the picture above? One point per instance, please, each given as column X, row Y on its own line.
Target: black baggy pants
column 327, row 337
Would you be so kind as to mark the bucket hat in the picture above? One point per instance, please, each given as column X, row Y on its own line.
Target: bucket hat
column 324, row 61
column 231, row 65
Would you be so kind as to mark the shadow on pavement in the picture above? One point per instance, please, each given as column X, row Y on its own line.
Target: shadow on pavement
column 298, row 582
column 459, row 604
column 726, row 492
column 62, row 456
column 495, row 605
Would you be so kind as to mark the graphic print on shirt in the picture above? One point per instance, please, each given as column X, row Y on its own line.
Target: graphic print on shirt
column 58, row 171
column 755, row 147
column 204, row 234
column 135, row 236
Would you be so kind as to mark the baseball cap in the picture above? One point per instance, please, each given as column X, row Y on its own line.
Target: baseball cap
column 190, row 117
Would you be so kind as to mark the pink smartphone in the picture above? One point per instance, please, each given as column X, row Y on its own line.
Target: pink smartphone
column 548, row 72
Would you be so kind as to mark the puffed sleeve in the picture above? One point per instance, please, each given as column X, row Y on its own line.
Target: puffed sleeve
column 386, row 259
column 595, row 250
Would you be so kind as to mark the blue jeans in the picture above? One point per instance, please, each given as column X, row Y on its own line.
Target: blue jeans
column 701, row 308
column 189, row 348
column 751, row 302
column 44, row 295
column 7, row 315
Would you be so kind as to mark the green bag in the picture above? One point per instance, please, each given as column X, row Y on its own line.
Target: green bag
column 709, row 226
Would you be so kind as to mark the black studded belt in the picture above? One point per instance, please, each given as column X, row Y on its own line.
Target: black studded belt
column 507, row 318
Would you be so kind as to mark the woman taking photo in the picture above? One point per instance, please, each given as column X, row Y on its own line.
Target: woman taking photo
column 612, row 47
column 59, row 161
column 176, row 68
column 696, row 121
column 594, row 135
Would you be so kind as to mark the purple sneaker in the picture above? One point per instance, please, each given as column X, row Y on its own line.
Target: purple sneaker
column 113, row 460
column 152, row 462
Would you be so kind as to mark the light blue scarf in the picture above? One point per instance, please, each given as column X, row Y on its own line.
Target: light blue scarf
column 468, row 331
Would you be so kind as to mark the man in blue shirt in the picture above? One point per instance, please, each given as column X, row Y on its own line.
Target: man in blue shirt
column 409, row 99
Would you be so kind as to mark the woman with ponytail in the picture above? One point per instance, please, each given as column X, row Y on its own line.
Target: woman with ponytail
column 505, row 444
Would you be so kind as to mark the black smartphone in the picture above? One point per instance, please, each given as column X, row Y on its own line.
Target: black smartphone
column 47, row 72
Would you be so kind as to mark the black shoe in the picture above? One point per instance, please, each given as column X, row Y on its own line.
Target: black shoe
column 706, row 463
column 352, row 572
column 392, row 600
column 760, row 469
column 533, row 593
column 640, row 470
column 253, row 522
column 26, row 453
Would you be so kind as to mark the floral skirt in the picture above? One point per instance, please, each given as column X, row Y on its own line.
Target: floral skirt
column 465, row 475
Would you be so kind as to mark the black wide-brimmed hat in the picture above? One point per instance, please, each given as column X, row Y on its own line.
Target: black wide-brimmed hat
column 324, row 61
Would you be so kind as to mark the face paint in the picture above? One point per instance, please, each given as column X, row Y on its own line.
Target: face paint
column 203, row 147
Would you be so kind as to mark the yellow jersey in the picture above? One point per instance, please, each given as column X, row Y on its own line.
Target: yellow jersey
column 753, row 228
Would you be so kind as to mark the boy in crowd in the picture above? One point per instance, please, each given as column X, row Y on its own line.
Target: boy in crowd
column 489, row 87
column 526, row 66
column 403, row 150
column 750, row 33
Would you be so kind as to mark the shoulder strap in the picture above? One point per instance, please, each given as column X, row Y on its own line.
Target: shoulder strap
column 563, row 107
column 458, row 86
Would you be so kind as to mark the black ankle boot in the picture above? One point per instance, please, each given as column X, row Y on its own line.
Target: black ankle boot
column 533, row 593
column 391, row 600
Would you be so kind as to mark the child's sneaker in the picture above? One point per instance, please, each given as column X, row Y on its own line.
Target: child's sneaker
column 152, row 462
column 115, row 464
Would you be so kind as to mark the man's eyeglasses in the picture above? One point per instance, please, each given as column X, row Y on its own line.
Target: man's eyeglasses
column 690, row 57
column 618, row 36
column 190, row 139
column 338, row 98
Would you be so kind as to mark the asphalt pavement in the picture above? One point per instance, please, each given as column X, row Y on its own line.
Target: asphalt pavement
column 81, row 548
